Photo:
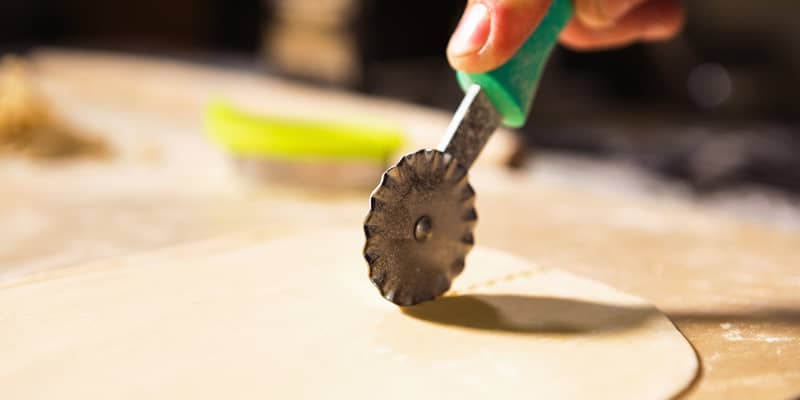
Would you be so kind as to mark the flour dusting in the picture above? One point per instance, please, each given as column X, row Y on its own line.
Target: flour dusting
column 736, row 335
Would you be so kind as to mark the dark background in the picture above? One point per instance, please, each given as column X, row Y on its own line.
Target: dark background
column 718, row 107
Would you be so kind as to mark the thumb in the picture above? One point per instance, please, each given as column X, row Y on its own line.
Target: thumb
column 491, row 31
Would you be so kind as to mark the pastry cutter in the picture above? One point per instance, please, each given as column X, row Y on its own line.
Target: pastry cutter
column 302, row 151
column 420, row 225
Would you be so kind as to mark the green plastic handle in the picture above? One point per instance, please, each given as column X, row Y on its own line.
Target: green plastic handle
column 511, row 87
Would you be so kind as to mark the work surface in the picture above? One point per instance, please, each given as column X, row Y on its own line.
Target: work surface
column 729, row 285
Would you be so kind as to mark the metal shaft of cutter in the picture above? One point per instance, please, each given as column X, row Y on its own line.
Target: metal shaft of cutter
column 473, row 124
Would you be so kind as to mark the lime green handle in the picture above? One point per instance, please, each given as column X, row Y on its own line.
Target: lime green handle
column 511, row 87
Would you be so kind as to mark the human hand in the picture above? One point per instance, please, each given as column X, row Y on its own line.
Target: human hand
column 491, row 31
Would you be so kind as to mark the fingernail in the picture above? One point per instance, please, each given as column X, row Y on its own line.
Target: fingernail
column 472, row 32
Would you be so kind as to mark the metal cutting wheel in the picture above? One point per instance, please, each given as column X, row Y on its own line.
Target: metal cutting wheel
column 420, row 227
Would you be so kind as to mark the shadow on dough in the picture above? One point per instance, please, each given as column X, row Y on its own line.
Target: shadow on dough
column 530, row 314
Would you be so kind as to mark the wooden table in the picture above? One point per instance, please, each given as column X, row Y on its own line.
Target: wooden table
column 728, row 283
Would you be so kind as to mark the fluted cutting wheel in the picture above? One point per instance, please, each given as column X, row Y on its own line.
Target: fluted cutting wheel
column 420, row 227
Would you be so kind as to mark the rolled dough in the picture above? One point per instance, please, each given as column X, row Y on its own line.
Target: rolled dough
column 298, row 318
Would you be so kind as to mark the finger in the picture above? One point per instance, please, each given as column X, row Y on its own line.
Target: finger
column 603, row 13
column 651, row 21
column 491, row 31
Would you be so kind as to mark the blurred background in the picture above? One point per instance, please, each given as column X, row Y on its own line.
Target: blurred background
column 717, row 108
